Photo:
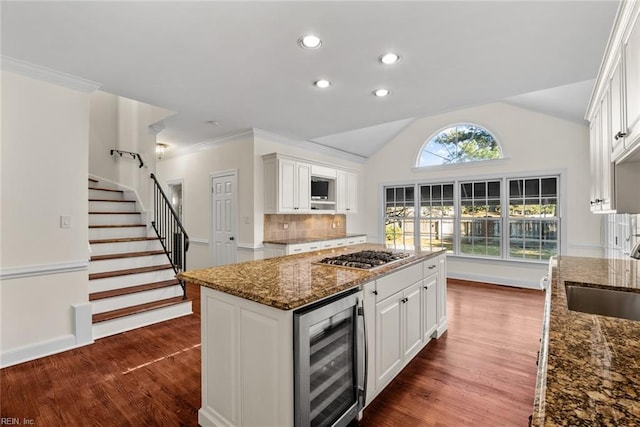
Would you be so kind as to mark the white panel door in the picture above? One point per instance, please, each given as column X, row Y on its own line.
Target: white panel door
column 223, row 189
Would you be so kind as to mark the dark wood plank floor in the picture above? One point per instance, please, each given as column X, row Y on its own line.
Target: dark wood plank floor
column 481, row 373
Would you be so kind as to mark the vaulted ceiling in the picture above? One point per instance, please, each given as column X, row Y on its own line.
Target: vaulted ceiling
column 239, row 63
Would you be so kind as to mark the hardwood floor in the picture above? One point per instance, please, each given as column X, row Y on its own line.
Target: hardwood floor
column 480, row 373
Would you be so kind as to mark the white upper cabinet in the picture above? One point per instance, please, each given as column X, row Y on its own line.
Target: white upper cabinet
column 614, row 116
column 631, row 48
column 289, row 187
column 347, row 192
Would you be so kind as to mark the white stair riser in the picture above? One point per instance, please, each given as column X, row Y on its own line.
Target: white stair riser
column 108, row 219
column 115, row 326
column 109, row 195
column 111, row 283
column 127, row 263
column 117, row 233
column 122, row 301
column 112, row 207
column 125, row 247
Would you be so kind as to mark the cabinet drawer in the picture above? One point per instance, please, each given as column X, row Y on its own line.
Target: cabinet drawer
column 398, row 280
column 356, row 240
column 430, row 267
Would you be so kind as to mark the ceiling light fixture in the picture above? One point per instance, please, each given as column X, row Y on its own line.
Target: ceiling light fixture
column 310, row 41
column 322, row 84
column 381, row 92
column 389, row 58
column 160, row 149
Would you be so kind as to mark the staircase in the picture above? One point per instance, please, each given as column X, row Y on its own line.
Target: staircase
column 131, row 279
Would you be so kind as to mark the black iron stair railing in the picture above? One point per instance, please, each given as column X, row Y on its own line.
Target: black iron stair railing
column 132, row 154
column 169, row 229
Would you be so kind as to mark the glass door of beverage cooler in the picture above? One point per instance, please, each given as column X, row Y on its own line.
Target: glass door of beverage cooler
column 329, row 376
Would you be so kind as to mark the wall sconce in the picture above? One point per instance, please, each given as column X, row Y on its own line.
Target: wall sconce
column 160, row 149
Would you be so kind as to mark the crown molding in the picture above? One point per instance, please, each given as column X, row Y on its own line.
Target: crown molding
column 206, row 144
column 49, row 75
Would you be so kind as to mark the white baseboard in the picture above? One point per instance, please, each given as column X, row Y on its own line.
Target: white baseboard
column 38, row 350
column 526, row 284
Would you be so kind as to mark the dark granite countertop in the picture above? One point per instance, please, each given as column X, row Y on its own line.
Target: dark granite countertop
column 590, row 364
column 292, row 281
column 311, row 239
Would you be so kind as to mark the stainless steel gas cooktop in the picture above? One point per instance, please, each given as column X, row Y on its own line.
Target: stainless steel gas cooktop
column 365, row 260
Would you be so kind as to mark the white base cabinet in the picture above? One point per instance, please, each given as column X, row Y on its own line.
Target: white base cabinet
column 405, row 311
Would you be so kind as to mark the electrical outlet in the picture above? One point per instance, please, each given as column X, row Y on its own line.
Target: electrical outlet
column 65, row 221
column 333, row 225
column 285, row 226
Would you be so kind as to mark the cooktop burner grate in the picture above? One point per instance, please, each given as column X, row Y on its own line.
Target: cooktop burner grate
column 365, row 259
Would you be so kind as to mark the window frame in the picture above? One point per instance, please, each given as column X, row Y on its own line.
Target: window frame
column 560, row 174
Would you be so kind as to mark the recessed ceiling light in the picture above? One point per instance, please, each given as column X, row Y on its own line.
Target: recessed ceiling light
column 322, row 84
column 310, row 41
column 381, row 92
column 389, row 58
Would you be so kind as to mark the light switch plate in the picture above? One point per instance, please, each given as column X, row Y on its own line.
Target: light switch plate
column 65, row 221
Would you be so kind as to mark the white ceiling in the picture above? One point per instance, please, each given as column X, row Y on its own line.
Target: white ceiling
column 239, row 63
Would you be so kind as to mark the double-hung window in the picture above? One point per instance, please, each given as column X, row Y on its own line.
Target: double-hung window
column 514, row 218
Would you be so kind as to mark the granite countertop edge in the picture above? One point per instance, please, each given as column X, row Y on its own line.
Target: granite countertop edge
column 291, row 282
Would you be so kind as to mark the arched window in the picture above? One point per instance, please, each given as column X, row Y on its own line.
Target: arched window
column 460, row 143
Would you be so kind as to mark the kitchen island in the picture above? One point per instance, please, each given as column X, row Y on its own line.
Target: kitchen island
column 588, row 369
column 248, row 334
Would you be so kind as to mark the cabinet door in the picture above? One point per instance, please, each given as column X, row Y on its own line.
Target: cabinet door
column 303, row 185
column 616, row 88
column 594, row 156
column 287, row 197
column 632, row 81
column 388, row 339
column 352, row 193
column 347, row 192
column 606, row 168
column 341, row 192
column 412, row 320
column 429, row 307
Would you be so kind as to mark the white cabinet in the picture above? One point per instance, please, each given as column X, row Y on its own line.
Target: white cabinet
column 288, row 187
column 614, row 116
column 347, row 192
column 273, row 249
column 408, row 309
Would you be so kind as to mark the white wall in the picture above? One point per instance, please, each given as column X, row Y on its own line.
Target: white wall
column 44, row 168
column 122, row 123
column 533, row 142
column 195, row 169
column 244, row 154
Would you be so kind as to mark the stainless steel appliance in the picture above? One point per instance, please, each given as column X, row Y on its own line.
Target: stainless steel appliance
column 329, row 361
column 365, row 260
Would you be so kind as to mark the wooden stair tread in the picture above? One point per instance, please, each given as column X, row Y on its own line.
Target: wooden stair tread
column 109, row 200
column 122, row 240
column 114, row 213
column 128, row 271
column 106, row 189
column 117, row 225
column 133, row 289
column 126, row 255
column 114, row 314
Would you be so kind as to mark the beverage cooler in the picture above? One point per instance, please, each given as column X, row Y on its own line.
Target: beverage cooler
column 329, row 361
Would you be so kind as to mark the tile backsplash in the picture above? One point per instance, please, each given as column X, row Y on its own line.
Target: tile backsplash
column 281, row 227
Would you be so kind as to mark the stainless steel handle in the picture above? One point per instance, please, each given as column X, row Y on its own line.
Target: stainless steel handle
column 363, row 355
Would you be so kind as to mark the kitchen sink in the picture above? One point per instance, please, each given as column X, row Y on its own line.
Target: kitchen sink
column 605, row 302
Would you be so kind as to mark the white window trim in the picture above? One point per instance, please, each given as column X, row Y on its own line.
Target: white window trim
column 562, row 176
